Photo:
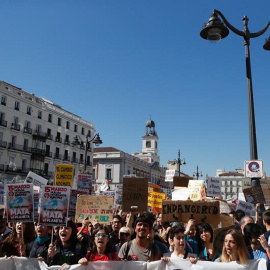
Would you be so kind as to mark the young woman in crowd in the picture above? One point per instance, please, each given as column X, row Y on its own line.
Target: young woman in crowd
column 67, row 250
column 102, row 250
column 205, row 242
column 234, row 248
column 124, row 236
column 15, row 243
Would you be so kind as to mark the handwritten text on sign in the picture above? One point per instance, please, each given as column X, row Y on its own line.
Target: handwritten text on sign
column 95, row 208
column 182, row 211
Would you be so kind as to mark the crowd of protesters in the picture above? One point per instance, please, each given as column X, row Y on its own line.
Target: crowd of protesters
column 136, row 237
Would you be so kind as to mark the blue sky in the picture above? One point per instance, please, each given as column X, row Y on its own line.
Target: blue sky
column 116, row 62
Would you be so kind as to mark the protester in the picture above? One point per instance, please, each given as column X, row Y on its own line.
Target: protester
column 39, row 247
column 266, row 223
column 102, row 250
column 190, row 234
column 66, row 249
column 244, row 221
column 124, row 236
column 117, row 223
column 15, row 243
column 206, row 236
column 254, row 238
column 238, row 215
column 141, row 248
column 4, row 229
column 234, row 248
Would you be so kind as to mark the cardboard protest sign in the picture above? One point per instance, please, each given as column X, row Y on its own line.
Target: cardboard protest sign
column 266, row 192
column 182, row 211
column 181, row 181
column 19, row 203
column 73, row 201
column 225, row 220
column 2, row 193
column 135, row 193
column 224, row 207
column 247, row 207
column 84, row 183
column 254, row 195
column 95, row 208
column 64, row 175
column 118, row 195
column 54, row 203
column 180, row 194
column 213, row 187
column 155, row 201
column 35, row 179
column 153, row 187
column 195, row 189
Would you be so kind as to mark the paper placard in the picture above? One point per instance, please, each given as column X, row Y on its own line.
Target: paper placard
column 118, row 194
column 95, row 208
column 135, row 193
column 182, row 211
column 266, row 191
column 213, row 187
column 247, row 207
column 35, row 179
column 195, row 189
column 64, row 175
column 19, row 203
column 53, row 208
column 155, row 201
column 181, row 194
column 84, row 183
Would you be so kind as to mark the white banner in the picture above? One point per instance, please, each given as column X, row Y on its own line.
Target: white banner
column 18, row 263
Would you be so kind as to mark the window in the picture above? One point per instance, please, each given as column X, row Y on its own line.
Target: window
column 25, row 144
column 109, row 174
column 13, row 140
column 49, row 117
column 27, row 124
column 57, row 150
column 81, row 157
column 148, row 144
column 24, row 165
column 4, row 100
column 67, row 125
column 94, row 174
column 75, row 128
column 49, row 132
column 29, row 110
column 17, row 106
column 82, row 130
column 39, row 114
column 89, row 133
column 88, row 161
column 59, row 121
column 39, row 128
column 156, row 145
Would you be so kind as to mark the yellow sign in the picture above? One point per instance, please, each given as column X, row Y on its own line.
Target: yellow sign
column 155, row 201
column 63, row 175
column 195, row 189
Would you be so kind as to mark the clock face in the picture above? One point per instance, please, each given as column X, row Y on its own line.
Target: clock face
column 148, row 144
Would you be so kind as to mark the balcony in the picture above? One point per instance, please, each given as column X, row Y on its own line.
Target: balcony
column 19, row 147
column 15, row 126
column 66, row 158
column 49, row 136
column 3, row 144
column 40, row 134
column 74, row 160
column 57, row 156
column 81, row 161
column 38, row 151
column 2, row 167
column 4, row 103
column 48, row 154
column 67, row 142
column 3, row 123
column 27, row 130
column 58, row 139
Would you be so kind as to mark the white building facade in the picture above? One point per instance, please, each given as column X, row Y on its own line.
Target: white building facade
column 36, row 134
column 112, row 164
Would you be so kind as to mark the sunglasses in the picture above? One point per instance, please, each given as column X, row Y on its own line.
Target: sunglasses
column 102, row 235
column 124, row 233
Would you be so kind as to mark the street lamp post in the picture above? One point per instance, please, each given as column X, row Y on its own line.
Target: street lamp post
column 180, row 162
column 214, row 30
column 78, row 141
column 198, row 174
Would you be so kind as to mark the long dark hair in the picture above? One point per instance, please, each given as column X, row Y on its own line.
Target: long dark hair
column 72, row 241
column 109, row 247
